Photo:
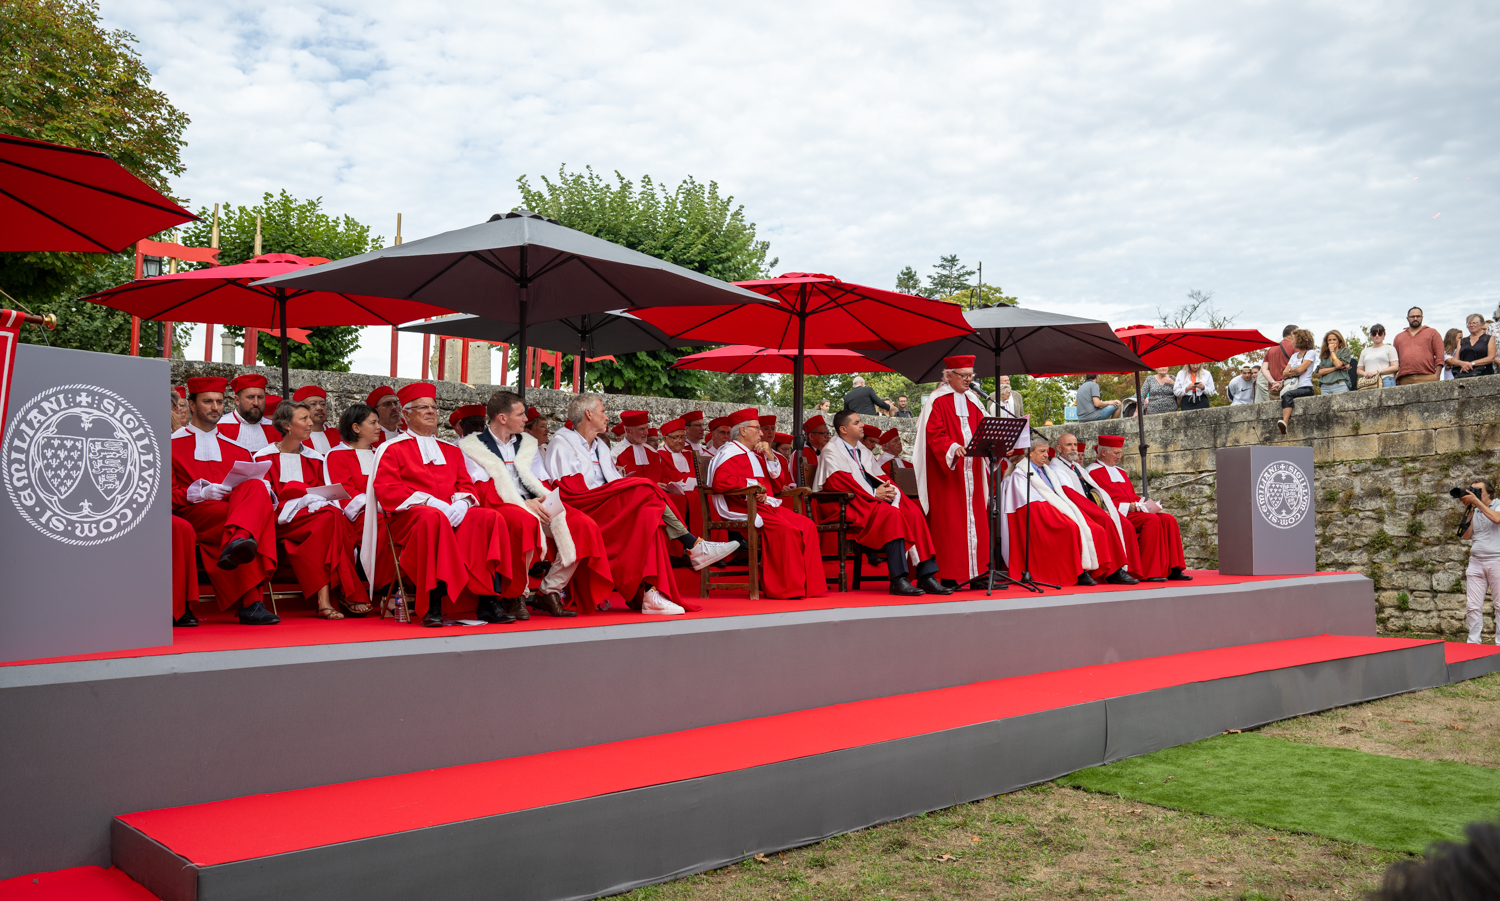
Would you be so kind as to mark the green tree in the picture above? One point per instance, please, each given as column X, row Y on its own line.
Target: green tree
column 984, row 296
column 691, row 226
column 302, row 227
column 908, row 282
column 948, row 278
column 67, row 79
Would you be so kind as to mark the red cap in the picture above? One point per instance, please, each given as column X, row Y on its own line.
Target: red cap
column 692, row 416
column 209, row 384
column 372, row 399
column 307, row 391
column 634, row 417
column 248, row 380
column 673, row 425
column 181, row 392
column 782, row 438
column 1111, row 441
column 619, row 430
column 872, row 431
column 272, row 402
column 653, row 433
column 715, row 423
column 768, row 422
column 813, row 423
column 532, row 413
column 414, row 392
column 887, row 437
column 465, row 412
column 959, row 362
column 1051, row 453
column 749, row 414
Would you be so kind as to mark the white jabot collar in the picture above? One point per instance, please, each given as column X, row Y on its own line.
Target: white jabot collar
column 320, row 441
column 428, row 446
column 640, row 453
column 205, row 444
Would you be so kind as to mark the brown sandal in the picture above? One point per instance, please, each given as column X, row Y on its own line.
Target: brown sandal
column 353, row 609
column 329, row 613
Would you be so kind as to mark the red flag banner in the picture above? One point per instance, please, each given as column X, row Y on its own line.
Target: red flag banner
column 10, row 335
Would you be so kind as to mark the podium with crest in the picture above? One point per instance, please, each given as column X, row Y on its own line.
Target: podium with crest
column 88, row 481
column 1266, row 517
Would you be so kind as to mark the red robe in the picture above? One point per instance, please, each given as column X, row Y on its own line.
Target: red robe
column 788, row 477
column 1159, row 536
column 892, row 464
column 679, row 469
column 330, row 435
column 955, row 497
column 316, row 541
column 341, row 466
column 878, row 522
column 230, row 428
column 247, row 512
column 626, row 460
column 184, row 566
column 466, row 558
column 791, row 564
column 1057, row 546
column 1119, row 546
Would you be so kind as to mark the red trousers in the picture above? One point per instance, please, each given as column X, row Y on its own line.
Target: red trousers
column 317, row 546
column 467, row 557
column 184, row 566
column 1160, row 543
column 247, row 511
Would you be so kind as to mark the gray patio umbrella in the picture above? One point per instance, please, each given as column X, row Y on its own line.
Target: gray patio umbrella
column 587, row 335
column 519, row 267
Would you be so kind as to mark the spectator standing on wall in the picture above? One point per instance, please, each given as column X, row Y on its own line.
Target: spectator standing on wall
column 1297, row 376
column 1090, row 406
column 1241, row 388
column 1161, row 393
column 1268, row 385
column 1420, row 349
column 901, row 411
column 1335, row 362
column 823, row 405
column 1378, row 363
column 1195, row 386
column 1476, row 350
column 1450, row 354
column 863, row 400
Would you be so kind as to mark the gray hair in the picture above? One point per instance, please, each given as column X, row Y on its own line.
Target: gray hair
column 859, row 381
column 284, row 411
column 581, row 405
column 734, row 430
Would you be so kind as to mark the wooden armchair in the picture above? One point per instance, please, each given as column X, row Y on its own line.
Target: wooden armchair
column 832, row 515
column 751, row 570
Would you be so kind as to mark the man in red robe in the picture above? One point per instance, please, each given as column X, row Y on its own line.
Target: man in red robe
column 324, row 437
column 446, row 542
column 1114, row 537
column 387, row 409
column 870, row 438
column 791, row 565
column 718, row 434
column 815, row 433
column 501, row 458
column 1037, row 514
column 1160, row 537
column 890, row 453
column 954, row 489
column 680, row 474
column 246, row 424
column 693, row 422
column 782, row 475
column 634, row 456
column 633, row 513
column 236, row 524
column 881, row 516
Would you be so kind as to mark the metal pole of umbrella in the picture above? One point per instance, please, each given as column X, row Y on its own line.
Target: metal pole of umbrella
column 797, row 370
column 583, row 351
column 525, row 286
column 1140, row 421
column 286, row 382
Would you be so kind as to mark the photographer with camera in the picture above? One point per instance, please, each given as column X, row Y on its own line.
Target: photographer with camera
column 1484, row 554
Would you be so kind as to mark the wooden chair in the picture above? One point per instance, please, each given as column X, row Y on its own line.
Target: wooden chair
column 827, row 521
column 711, row 524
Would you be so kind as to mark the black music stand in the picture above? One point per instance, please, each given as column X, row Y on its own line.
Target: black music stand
column 995, row 438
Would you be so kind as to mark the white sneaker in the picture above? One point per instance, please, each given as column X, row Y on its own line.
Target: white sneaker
column 654, row 603
column 707, row 553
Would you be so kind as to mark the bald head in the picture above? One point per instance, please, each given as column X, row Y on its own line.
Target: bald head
column 1067, row 446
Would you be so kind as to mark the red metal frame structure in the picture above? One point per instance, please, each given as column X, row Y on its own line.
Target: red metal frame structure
column 166, row 251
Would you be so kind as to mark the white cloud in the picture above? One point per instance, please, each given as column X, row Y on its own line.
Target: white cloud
column 1100, row 158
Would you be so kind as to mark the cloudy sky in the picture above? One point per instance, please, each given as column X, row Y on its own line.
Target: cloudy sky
column 1323, row 163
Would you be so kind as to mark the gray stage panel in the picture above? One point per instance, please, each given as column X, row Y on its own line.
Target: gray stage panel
column 93, row 739
column 666, row 831
column 1473, row 669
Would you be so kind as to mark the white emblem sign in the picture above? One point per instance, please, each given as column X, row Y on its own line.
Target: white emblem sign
column 1283, row 495
column 81, row 464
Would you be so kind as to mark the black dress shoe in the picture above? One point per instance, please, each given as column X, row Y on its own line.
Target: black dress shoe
column 256, row 614
column 515, row 608
column 1155, row 579
column 932, row 586
column 491, row 612
column 1121, row 577
column 1177, row 575
column 550, row 603
column 433, row 618
column 1086, row 579
column 240, row 550
column 902, row 587
column 186, row 619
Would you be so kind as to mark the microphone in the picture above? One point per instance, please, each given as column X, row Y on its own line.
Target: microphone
column 974, row 386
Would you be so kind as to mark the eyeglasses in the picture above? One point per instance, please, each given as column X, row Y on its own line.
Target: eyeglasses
column 422, row 409
column 819, row 432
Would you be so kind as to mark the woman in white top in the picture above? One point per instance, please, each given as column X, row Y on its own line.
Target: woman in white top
column 1378, row 360
column 1299, row 367
column 1195, row 385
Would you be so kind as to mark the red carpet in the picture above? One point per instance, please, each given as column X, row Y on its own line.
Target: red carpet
column 220, row 631
column 1457, row 652
column 261, row 825
column 75, row 884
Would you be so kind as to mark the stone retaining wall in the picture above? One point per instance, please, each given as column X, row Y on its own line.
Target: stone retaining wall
column 1384, row 461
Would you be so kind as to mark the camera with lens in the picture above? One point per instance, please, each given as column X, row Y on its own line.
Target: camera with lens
column 1457, row 493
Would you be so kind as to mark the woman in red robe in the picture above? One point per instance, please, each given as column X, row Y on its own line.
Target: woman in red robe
column 349, row 464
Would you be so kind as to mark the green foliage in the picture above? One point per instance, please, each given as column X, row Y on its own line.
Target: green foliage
column 1415, row 527
column 1403, row 601
column 1045, row 398
column 67, row 79
column 1379, row 541
column 973, row 298
column 302, row 227
column 691, row 226
column 1330, row 495
column 908, row 282
column 948, row 277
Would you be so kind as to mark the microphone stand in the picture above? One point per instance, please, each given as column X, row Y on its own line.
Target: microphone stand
column 1026, row 581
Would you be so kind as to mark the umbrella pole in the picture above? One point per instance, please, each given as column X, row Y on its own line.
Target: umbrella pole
column 583, row 352
column 1140, row 420
column 286, row 382
column 521, row 367
column 798, row 366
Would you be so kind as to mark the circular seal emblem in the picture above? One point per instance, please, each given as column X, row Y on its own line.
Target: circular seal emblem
column 1283, row 495
column 81, row 464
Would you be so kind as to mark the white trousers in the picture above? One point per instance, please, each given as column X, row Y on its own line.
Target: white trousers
column 1483, row 572
column 558, row 576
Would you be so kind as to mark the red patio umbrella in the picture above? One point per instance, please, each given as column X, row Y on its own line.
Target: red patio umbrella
column 814, row 311
column 224, row 294
column 54, row 197
column 750, row 358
